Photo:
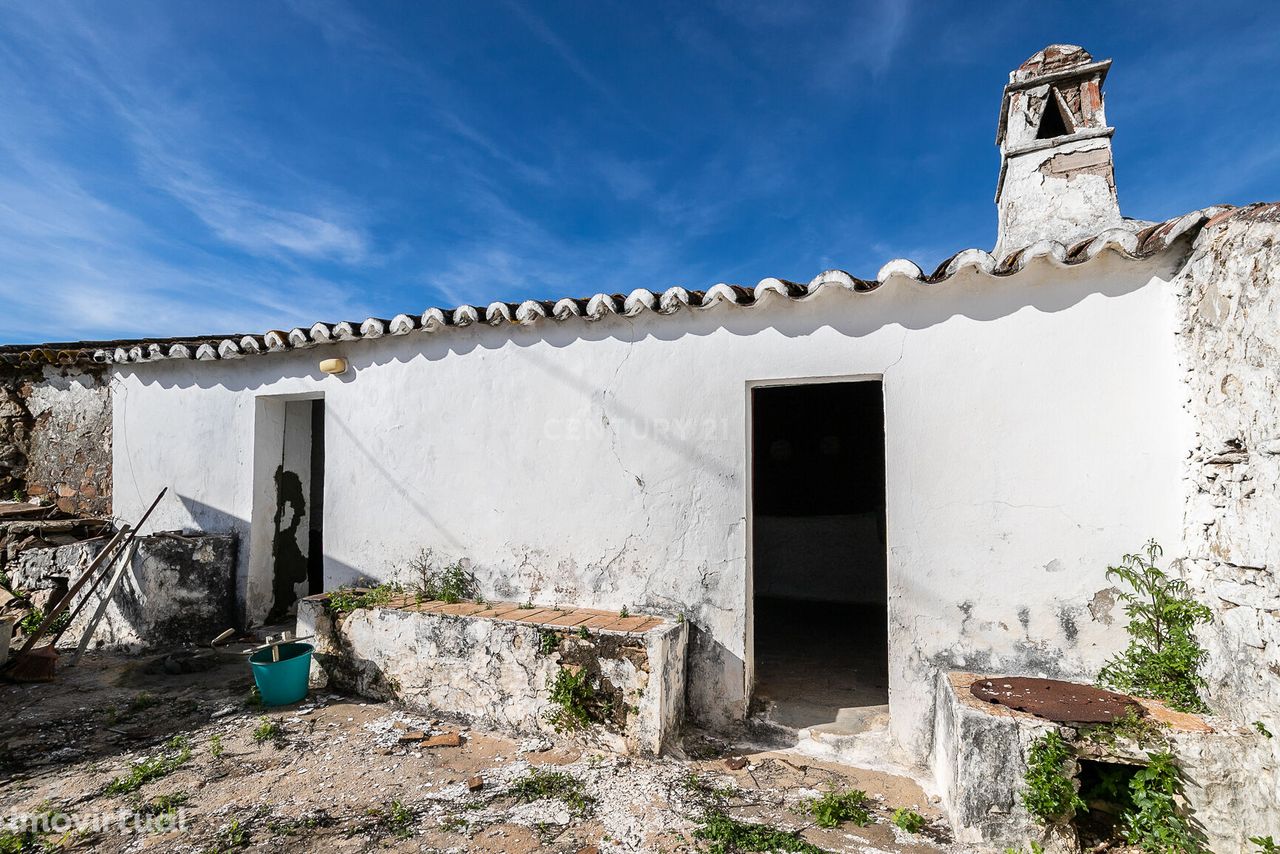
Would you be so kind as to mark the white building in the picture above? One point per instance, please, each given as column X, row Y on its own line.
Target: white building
column 845, row 486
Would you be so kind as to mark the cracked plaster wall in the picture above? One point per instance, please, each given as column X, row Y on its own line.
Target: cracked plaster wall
column 1032, row 438
column 1230, row 339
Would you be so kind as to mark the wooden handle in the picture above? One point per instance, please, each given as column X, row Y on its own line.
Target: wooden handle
column 88, row 573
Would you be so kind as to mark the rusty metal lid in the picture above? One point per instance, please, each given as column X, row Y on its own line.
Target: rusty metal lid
column 1055, row 700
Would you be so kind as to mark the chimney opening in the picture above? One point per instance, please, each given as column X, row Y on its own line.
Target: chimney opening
column 1054, row 122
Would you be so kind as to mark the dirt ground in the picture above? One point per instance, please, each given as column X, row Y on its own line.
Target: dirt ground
column 339, row 774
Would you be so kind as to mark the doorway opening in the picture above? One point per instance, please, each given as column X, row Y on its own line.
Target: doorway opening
column 286, row 552
column 819, row 579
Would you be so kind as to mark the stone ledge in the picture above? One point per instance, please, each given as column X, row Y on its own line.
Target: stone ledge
column 494, row 665
column 550, row 616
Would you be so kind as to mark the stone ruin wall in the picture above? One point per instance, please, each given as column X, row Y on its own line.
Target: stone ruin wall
column 1229, row 316
column 55, row 437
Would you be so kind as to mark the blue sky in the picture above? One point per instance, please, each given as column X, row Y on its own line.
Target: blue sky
column 184, row 167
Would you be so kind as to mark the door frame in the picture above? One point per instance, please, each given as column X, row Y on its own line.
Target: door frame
column 749, row 645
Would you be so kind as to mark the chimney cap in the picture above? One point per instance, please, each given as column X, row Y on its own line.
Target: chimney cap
column 1054, row 58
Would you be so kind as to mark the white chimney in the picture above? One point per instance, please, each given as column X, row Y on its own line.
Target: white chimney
column 1057, row 180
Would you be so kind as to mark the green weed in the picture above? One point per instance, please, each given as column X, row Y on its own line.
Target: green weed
column 835, row 808
column 539, row 784
column 908, row 819
column 727, row 835
column 1163, row 657
column 177, row 752
column 1051, row 794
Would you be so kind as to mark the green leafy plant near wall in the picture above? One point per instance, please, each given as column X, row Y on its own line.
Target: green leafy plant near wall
column 1154, row 823
column 453, row 583
column 1050, row 794
column 578, row 704
column 1163, row 658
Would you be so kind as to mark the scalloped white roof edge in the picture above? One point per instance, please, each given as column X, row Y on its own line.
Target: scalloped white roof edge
column 1136, row 241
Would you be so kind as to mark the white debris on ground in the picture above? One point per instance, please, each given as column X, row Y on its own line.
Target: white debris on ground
column 342, row 774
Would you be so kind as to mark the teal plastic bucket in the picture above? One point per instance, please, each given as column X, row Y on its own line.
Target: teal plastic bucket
column 285, row 681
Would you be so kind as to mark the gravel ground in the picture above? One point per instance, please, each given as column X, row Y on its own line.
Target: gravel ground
column 117, row 735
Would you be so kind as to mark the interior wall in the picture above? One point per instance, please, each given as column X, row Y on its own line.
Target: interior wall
column 818, row 526
column 1034, row 435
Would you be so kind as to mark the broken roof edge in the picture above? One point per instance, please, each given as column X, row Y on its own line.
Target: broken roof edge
column 1135, row 240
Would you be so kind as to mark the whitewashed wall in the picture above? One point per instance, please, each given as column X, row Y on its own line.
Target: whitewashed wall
column 1034, row 434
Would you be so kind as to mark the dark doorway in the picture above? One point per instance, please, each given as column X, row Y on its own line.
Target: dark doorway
column 315, row 518
column 818, row 552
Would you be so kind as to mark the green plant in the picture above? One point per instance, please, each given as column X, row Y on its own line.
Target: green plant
column 164, row 804
column 451, row 584
column 1050, row 794
column 1133, row 725
column 548, row 641
column 1163, row 657
column 908, row 819
column 583, row 633
column 1266, row 845
column 1262, row 728
column 236, row 835
column 215, row 746
column 400, row 819
column 1154, row 823
column 29, row 623
column 268, row 730
column 141, row 702
column 624, row 613
column 728, row 835
column 578, row 703
column 1036, row 848
column 538, row 784
column 177, row 751
column 347, row 598
column 254, row 698
column 835, row 808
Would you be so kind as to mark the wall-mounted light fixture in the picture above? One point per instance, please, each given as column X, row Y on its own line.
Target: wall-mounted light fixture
column 333, row 366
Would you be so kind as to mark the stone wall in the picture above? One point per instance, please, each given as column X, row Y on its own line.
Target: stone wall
column 980, row 766
column 177, row 589
column 1230, row 336
column 498, row 672
column 55, row 436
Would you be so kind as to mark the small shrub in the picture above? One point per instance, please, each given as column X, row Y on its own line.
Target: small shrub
column 1163, row 658
column 400, row 819
column 164, row 804
column 236, row 835
column 268, row 730
column 347, row 598
column 141, row 702
column 908, row 819
column 177, row 752
column 579, row 705
column 1262, row 729
column 539, row 784
column 728, row 835
column 29, row 623
column 452, row 583
column 215, row 746
column 835, row 808
column 548, row 642
column 1154, row 823
column 1050, row 795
